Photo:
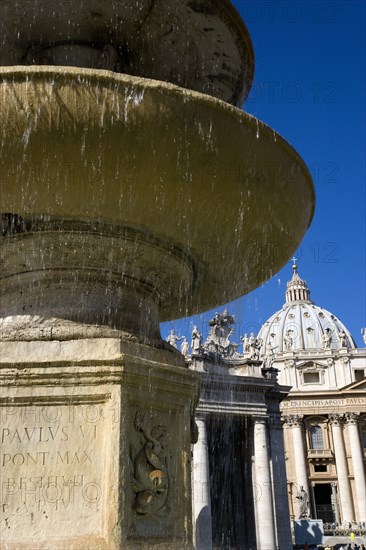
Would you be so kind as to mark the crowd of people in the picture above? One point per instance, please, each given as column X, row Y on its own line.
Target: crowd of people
column 344, row 546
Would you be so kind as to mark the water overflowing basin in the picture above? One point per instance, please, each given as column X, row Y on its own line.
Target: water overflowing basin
column 184, row 167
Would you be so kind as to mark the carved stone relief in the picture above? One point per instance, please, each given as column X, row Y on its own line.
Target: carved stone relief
column 335, row 419
column 352, row 418
column 293, row 420
column 150, row 482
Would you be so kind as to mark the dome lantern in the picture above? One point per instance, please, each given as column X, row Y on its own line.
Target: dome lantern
column 297, row 289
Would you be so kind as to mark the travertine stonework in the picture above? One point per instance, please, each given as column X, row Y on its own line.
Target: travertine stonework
column 144, row 38
column 95, row 451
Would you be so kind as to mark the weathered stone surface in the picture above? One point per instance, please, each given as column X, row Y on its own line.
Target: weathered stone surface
column 204, row 46
column 56, row 461
column 64, row 279
column 95, row 450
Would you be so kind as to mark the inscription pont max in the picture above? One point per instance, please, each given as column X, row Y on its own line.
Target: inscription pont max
column 52, row 464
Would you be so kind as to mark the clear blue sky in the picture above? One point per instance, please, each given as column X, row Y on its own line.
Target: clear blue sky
column 309, row 85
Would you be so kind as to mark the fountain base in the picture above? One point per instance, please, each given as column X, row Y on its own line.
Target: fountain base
column 95, row 438
column 65, row 279
column 95, row 445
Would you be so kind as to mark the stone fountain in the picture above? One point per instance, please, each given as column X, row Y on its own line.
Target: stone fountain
column 133, row 190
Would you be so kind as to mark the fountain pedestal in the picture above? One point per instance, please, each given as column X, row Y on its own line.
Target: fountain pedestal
column 95, row 446
column 96, row 408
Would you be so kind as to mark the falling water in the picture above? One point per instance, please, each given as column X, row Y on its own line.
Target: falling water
column 127, row 199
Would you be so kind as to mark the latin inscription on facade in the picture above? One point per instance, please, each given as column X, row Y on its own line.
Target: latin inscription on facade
column 52, row 465
column 324, row 405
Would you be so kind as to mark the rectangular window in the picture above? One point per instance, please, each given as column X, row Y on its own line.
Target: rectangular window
column 311, row 378
column 359, row 374
column 320, row 468
column 316, row 438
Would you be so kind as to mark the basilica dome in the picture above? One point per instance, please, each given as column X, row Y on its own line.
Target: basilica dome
column 301, row 325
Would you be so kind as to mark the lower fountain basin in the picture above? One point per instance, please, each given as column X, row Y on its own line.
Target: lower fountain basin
column 188, row 169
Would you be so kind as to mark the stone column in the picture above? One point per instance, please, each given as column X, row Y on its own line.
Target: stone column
column 266, row 536
column 282, row 513
column 299, row 449
column 202, row 528
column 358, row 466
column 345, row 495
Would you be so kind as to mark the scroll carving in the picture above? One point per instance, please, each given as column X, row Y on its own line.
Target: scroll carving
column 150, row 479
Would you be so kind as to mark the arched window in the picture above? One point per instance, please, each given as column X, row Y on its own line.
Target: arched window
column 316, row 437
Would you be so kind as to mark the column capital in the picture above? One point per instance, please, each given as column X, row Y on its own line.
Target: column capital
column 335, row 419
column 293, row 420
column 201, row 416
column 260, row 420
column 352, row 418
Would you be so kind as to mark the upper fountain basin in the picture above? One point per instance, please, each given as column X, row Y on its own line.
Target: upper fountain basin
column 185, row 167
column 200, row 45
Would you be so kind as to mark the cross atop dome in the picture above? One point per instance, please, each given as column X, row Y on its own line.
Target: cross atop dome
column 297, row 289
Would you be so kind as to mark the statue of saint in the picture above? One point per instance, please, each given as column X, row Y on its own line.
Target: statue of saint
column 269, row 355
column 288, row 340
column 184, row 347
column 172, row 339
column 327, row 338
column 251, row 340
column 255, row 345
column 196, row 342
column 342, row 338
column 304, row 505
column 245, row 341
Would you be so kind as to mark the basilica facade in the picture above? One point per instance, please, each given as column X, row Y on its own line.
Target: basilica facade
column 281, row 427
column 324, row 414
